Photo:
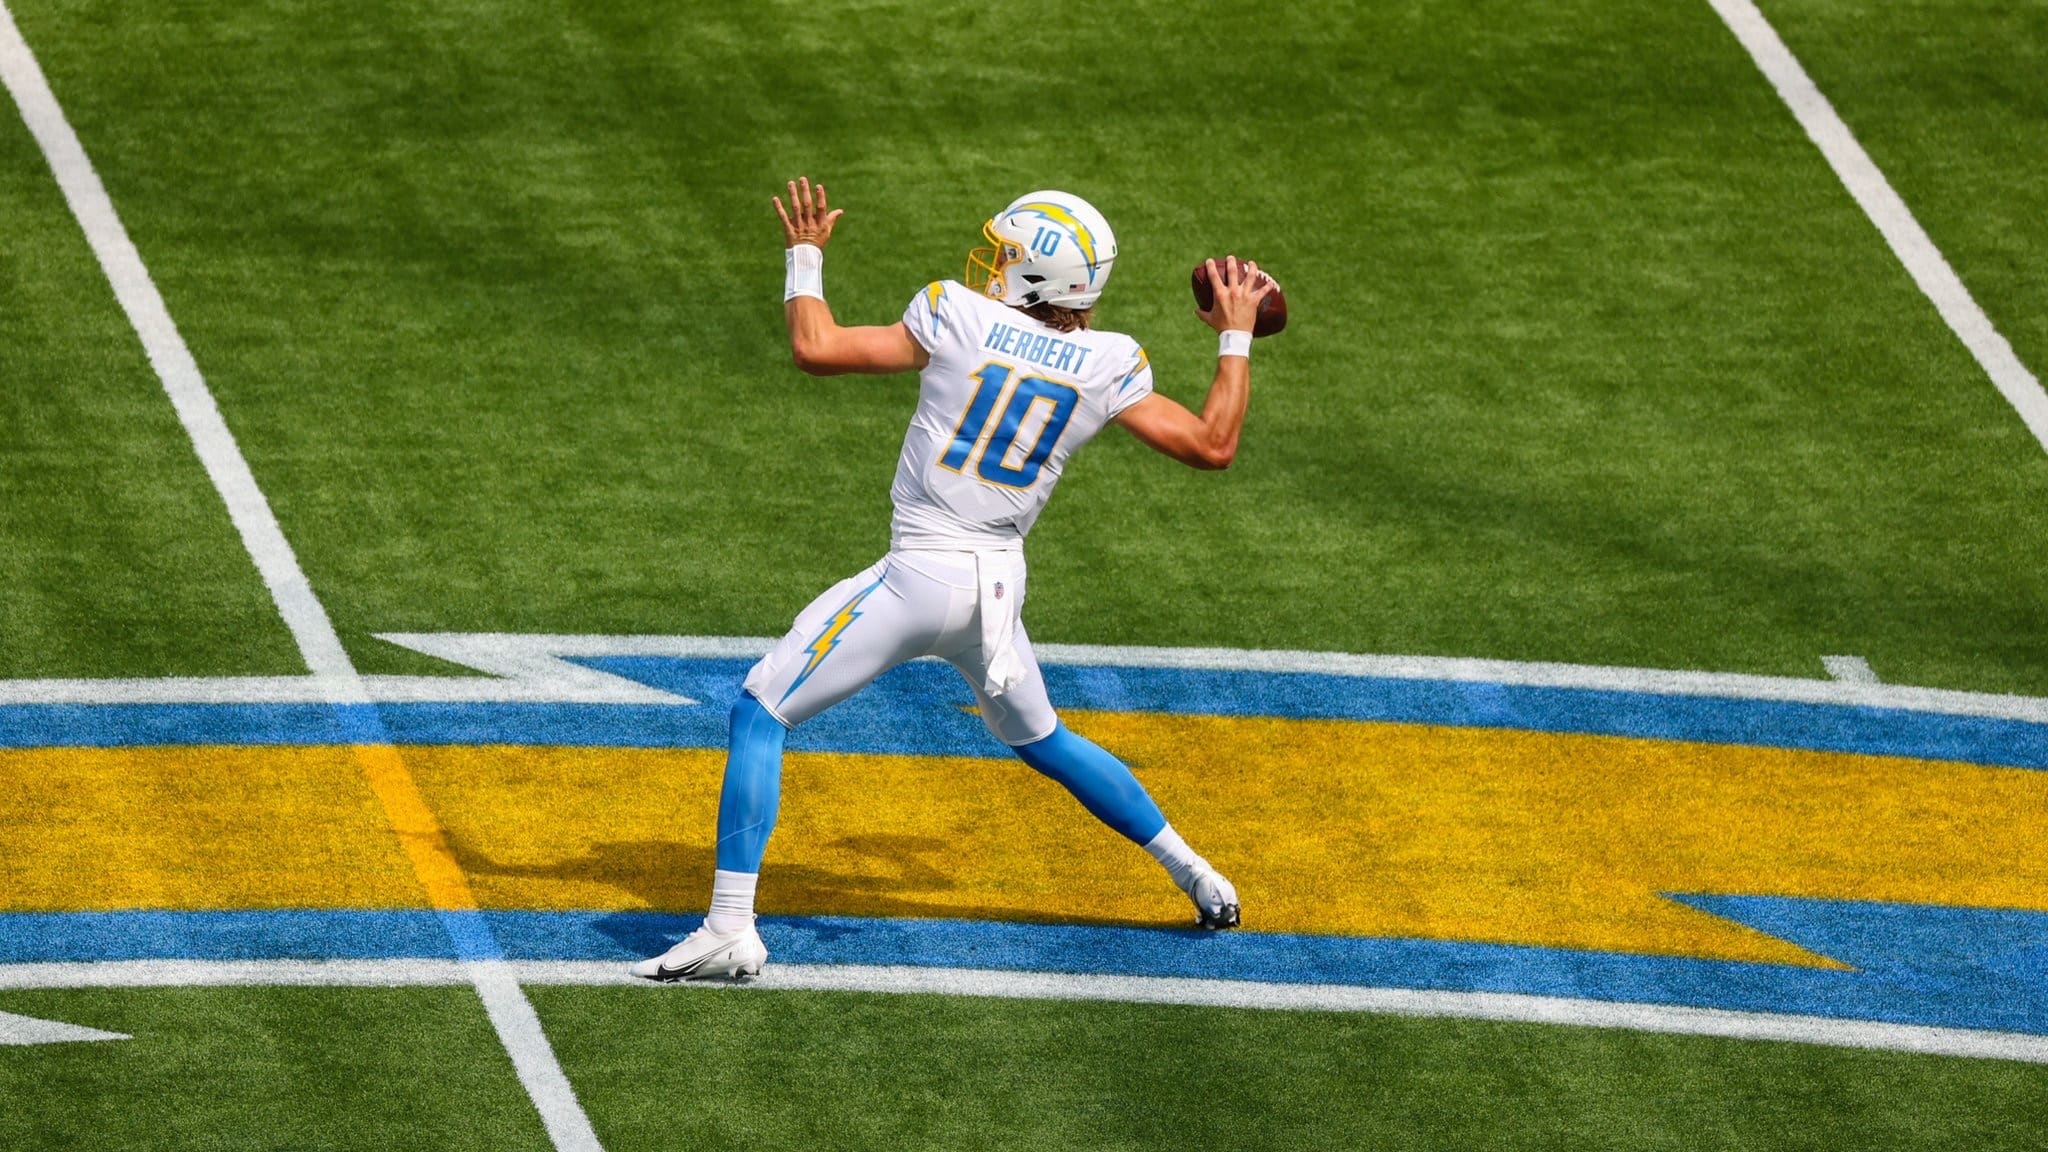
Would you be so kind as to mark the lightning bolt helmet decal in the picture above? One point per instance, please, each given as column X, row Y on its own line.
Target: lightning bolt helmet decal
column 1047, row 247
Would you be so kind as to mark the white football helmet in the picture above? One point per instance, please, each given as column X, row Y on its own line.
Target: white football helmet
column 1045, row 248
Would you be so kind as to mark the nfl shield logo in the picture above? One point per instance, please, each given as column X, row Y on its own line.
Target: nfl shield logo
column 999, row 589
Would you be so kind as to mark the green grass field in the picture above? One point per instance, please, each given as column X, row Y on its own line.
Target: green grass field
column 1592, row 359
column 300, row 1068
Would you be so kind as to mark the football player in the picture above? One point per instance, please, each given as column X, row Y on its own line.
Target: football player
column 1013, row 379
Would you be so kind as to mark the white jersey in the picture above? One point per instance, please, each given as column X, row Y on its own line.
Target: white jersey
column 1003, row 403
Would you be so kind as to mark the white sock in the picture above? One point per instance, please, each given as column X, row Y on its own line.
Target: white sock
column 732, row 901
column 1176, row 857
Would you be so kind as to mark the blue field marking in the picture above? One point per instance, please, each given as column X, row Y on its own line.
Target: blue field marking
column 922, row 709
column 1913, row 964
column 269, row 934
column 132, row 725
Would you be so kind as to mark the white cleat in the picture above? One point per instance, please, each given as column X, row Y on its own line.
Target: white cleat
column 1215, row 900
column 708, row 955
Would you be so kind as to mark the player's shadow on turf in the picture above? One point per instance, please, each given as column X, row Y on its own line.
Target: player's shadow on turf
column 671, row 877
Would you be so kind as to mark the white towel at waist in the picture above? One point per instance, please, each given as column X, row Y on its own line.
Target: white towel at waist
column 999, row 580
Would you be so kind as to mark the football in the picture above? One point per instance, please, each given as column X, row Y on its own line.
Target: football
column 1272, row 310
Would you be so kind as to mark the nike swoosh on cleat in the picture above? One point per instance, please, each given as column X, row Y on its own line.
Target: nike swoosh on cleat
column 667, row 973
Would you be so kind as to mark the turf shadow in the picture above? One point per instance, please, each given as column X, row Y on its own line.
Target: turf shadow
column 670, row 876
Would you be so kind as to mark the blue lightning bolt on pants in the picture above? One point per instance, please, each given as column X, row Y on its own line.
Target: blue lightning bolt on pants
column 911, row 604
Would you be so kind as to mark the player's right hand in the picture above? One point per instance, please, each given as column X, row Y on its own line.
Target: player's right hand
column 807, row 219
column 1239, row 289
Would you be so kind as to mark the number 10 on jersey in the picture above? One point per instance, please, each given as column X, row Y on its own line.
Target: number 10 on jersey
column 993, row 458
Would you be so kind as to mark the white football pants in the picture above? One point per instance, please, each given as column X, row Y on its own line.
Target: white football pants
column 959, row 606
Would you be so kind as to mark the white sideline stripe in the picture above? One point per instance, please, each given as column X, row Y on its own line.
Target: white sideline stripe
column 535, row 659
column 1497, row 1006
column 526, row 650
column 520, row 648
column 1861, row 176
column 517, row 1027
column 1649, row 681
column 537, row 662
column 599, row 688
column 395, row 973
column 1850, row 669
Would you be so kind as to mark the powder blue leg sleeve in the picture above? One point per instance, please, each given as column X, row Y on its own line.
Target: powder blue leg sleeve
column 753, row 786
column 1098, row 780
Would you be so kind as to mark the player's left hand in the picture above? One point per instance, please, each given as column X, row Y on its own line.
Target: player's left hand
column 808, row 219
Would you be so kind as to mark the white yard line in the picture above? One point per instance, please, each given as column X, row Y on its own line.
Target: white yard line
column 1861, row 176
column 1850, row 669
column 533, row 1058
column 1498, row 1006
column 166, row 349
column 511, row 1015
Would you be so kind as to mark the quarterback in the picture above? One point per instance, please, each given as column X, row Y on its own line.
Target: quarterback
column 1013, row 378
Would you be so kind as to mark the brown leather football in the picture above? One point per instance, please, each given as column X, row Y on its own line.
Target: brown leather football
column 1272, row 310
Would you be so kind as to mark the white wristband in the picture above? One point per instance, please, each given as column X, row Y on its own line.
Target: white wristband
column 803, row 272
column 1232, row 342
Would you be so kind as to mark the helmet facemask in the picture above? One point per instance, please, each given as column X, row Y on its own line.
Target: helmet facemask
column 985, row 265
